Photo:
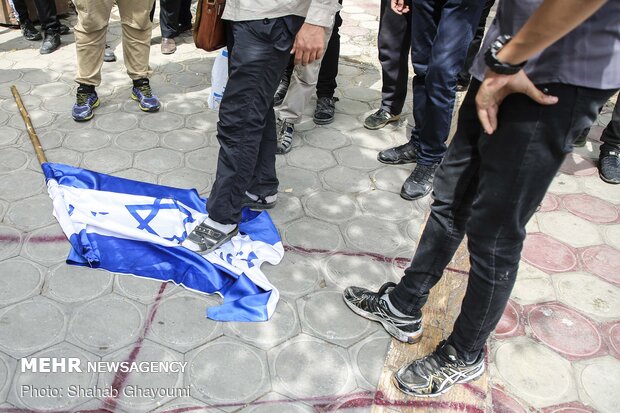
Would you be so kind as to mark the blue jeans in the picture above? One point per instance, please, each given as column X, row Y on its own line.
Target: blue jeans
column 488, row 187
column 441, row 31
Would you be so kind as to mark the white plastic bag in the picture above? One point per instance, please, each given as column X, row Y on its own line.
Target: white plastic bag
column 219, row 77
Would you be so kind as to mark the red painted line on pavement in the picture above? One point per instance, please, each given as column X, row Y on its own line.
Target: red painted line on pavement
column 38, row 239
column 121, row 376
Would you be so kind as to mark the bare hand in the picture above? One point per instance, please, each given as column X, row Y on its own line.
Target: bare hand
column 309, row 44
column 495, row 88
column 400, row 6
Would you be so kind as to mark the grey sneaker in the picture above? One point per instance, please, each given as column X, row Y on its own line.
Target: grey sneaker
column 285, row 138
column 436, row 373
column 609, row 166
column 379, row 119
column 372, row 306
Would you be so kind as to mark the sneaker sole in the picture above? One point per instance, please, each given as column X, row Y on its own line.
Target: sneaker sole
column 406, row 197
column 399, row 162
column 393, row 331
column 409, row 392
column 259, row 207
column 322, row 121
column 92, row 114
column 142, row 108
column 382, row 125
column 609, row 181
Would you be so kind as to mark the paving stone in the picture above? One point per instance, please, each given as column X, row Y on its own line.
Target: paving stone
column 181, row 404
column 280, row 327
column 7, row 76
column 7, row 368
column 376, row 140
column 331, row 206
column 600, row 381
column 288, row 208
column 590, row 208
column 312, row 234
column 612, row 236
column 136, row 140
column 186, row 106
column 116, row 122
column 597, row 188
column 171, row 67
column 59, row 105
column 22, row 87
column 344, row 123
column 509, row 324
column 603, row 261
column 564, row 184
column 87, row 140
column 39, row 77
column 30, row 103
column 31, row 326
column 20, row 279
column 504, row 403
column 204, row 159
column 31, row 213
column 515, row 361
column 47, row 245
column 137, row 175
column 351, row 107
column 107, row 160
column 158, row 160
column 295, row 275
column 227, row 371
column 74, row 284
column 65, row 122
column 532, row 286
column 10, row 241
column 11, row 160
column 589, row 295
column 4, row 117
column 550, row 202
column 548, row 254
column 181, row 322
column 162, row 122
column 187, row 80
column 357, row 158
column 552, row 324
column 57, row 155
column 344, row 270
column 4, row 206
column 326, row 368
column 348, row 50
column 388, row 206
column 50, row 139
column 363, row 94
column 613, row 336
column 563, row 226
column 184, row 140
column 325, row 138
column 29, row 385
column 143, row 290
column 186, row 178
column 577, row 165
column 391, row 178
column 276, row 403
column 130, row 399
column 368, row 356
column 311, row 158
column 8, row 135
column 372, row 235
column 52, row 89
column 39, row 118
column 206, row 121
column 346, row 180
column 325, row 315
column 297, row 181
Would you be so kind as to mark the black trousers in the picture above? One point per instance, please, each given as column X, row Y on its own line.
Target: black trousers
column 46, row 10
column 488, row 187
column 326, row 84
column 258, row 54
column 464, row 76
column 172, row 14
column 611, row 134
column 394, row 41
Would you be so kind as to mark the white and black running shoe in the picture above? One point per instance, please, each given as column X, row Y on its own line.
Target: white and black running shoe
column 436, row 373
column 370, row 305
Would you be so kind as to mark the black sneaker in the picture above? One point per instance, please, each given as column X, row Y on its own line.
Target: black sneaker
column 419, row 183
column 280, row 94
column 63, row 29
column 405, row 153
column 379, row 119
column 325, row 109
column 50, row 43
column 285, row 138
column 370, row 305
column 29, row 31
column 609, row 166
column 436, row 373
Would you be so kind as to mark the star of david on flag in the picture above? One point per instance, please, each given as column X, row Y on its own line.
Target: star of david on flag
column 136, row 228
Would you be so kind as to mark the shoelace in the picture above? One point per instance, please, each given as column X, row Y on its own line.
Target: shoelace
column 325, row 103
column 423, row 173
column 432, row 364
column 82, row 98
column 145, row 90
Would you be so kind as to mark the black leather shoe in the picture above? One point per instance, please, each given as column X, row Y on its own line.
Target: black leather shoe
column 51, row 42
column 405, row 153
column 419, row 183
column 379, row 119
column 325, row 110
column 29, row 31
column 609, row 166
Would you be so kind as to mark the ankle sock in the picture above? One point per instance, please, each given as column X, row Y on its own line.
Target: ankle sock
column 82, row 88
column 227, row 228
column 385, row 297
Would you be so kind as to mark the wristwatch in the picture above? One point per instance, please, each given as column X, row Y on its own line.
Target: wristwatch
column 490, row 57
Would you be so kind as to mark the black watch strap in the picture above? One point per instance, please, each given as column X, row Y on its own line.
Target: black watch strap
column 490, row 57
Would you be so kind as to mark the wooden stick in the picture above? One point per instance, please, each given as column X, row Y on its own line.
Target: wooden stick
column 31, row 133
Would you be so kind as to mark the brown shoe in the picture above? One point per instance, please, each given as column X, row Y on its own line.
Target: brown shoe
column 168, row 46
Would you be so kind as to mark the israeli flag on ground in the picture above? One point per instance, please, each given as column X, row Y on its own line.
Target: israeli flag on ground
column 135, row 228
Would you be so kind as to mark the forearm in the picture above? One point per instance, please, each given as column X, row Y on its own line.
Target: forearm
column 550, row 22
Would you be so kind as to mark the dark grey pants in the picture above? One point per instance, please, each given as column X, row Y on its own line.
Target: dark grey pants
column 258, row 53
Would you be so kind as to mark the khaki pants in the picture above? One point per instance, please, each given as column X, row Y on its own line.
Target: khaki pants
column 303, row 84
column 90, row 36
